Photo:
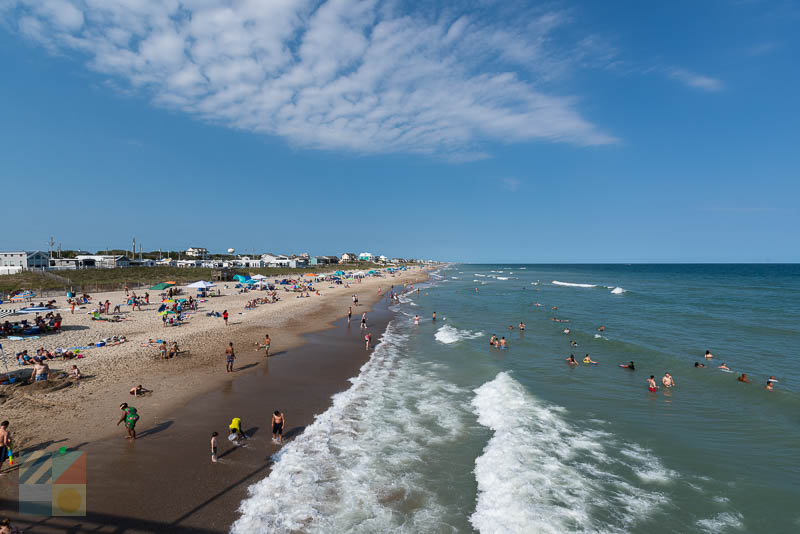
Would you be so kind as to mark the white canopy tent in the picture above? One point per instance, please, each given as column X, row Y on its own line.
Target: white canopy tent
column 201, row 284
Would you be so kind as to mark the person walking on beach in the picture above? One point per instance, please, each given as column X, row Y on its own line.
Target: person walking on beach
column 266, row 344
column 278, row 423
column 229, row 357
column 214, row 447
column 130, row 416
column 368, row 339
column 5, row 442
column 225, row 317
column 364, row 320
column 349, row 313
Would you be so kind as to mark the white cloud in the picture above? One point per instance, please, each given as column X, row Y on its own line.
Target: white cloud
column 356, row 75
column 512, row 184
column 694, row 80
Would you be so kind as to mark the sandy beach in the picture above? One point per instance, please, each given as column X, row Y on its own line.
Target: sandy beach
column 81, row 411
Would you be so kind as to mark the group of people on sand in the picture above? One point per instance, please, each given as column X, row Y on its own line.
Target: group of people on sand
column 236, row 433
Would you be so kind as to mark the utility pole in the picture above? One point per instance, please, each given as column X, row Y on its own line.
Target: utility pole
column 133, row 250
column 51, row 243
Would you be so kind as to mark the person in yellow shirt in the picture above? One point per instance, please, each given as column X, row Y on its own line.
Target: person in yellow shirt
column 235, row 428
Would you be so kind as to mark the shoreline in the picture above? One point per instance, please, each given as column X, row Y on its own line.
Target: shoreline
column 305, row 370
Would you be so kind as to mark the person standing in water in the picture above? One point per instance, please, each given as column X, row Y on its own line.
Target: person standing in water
column 368, row 340
column 651, row 384
column 278, row 423
column 267, row 342
column 433, row 318
column 349, row 313
column 708, row 355
column 364, row 320
column 521, row 326
column 668, row 381
column 416, row 319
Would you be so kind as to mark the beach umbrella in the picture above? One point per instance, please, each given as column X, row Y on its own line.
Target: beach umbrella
column 162, row 285
column 371, row 272
column 310, row 274
column 339, row 273
column 259, row 277
column 167, row 301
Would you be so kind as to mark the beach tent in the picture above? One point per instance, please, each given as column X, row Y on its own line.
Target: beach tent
column 27, row 294
column 310, row 274
column 359, row 273
column 371, row 272
column 162, row 285
column 240, row 278
column 202, row 284
column 258, row 277
column 340, row 273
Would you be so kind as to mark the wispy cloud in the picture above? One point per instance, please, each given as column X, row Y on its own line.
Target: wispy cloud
column 512, row 184
column 761, row 48
column 357, row 75
column 694, row 80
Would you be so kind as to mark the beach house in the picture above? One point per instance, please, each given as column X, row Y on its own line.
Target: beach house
column 16, row 261
column 197, row 252
column 102, row 261
column 365, row 256
column 348, row 257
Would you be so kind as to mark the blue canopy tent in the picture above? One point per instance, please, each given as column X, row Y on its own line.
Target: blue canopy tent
column 240, row 278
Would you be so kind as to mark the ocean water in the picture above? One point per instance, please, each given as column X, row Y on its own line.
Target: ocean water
column 442, row 433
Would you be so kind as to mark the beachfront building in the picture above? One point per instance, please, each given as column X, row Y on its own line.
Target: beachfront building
column 327, row 260
column 382, row 259
column 102, row 261
column 165, row 262
column 365, row 256
column 144, row 262
column 17, row 261
column 247, row 261
column 348, row 257
column 197, row 252
column 189, row 263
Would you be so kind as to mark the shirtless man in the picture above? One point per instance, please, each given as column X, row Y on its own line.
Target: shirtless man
column 744, row 378
column 724, row 367
column 668, row 381
column 521, row 326
column 278, row 423
column 5, row 442
column 267, row 340
column 433, row 318
column 502, row 343
column 651, row 384
column 229, row 357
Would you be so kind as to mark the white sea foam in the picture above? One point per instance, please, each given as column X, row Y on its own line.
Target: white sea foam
column 570, row 284
column 454, row 277
column 502, row 278
column 478, row 274
column 539, row 473
column 617, row 291
column 448, row 334
column 598, row 336
column 358, row 467
column 723, row 522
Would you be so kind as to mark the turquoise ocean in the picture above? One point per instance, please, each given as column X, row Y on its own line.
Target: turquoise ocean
column 442, row 433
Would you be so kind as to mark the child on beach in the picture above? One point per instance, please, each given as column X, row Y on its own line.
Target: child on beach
column 214, row 447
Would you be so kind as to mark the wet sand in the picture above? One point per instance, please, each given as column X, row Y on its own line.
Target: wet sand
column 165, row 481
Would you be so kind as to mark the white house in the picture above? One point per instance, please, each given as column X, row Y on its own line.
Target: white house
column 197, row 252
column 365, row 256
column 382, row 259
column 23, row 261
column 189, row 263
column 348, row 257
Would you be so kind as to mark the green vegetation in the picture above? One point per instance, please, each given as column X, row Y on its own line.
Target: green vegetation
column 111, row 279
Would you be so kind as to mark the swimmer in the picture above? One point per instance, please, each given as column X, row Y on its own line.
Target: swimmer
column 476, row 290
column 601, row 329
column 769, row 385
column 502, row 343
column 573, row 343
column 493, row 340
column 521, row 326
column 651, row 384
column 724, row 367
column 668, row 381
column 554, row 308
column 709, row 355
column 628, row 365
column 566, row 330
column 744, row 378
column 416, row 319
column 510, row 327
column 699, row 365
column 588, row 359
column 434, row 316
column 538, row 305
column 571, row 360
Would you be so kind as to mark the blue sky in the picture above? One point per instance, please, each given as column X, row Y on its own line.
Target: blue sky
column 472, row 131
